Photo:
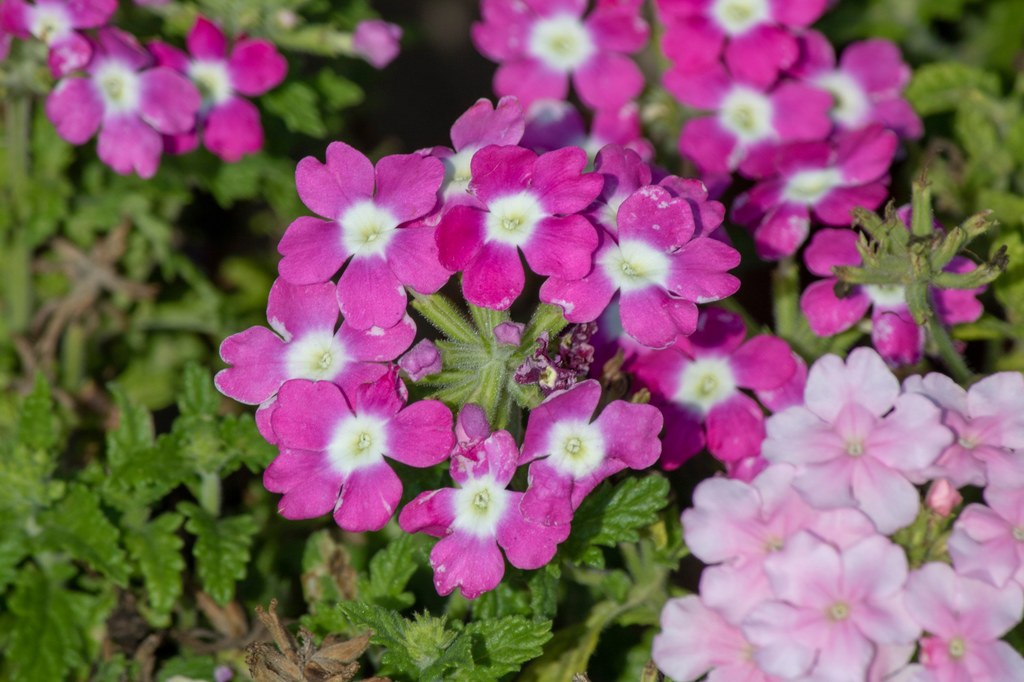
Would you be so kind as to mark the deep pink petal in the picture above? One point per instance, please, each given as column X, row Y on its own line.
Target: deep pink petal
column 561, row 247
column 757, row 56
column 618, row 29
column 128, row 145
column 831, row 247
column 698, row 271
column 75, row 108
column 377, row 344
column 459, row 236
column 528, row 545
column 169, row 56
column 782, row 231
column 314, row 495
column 645, row 317
column 68, row 54
column 312, row 251
column 896, row 336
column 307, row 413
column 294, row 310
column 257, row 359
column 368, row 499
column 735, row 428
column 233, row 129
column 168, row 100
column 90, row 13
column 709, row 146
column 548, row 497
column 877, row 65
column 826, row 313
column 684, row 435
column 560, row 184
column 421, row 435
column 407, row 184
column 529, row 80
column 120, row 46
column 329, row 188
column 472, row 564
column 764, row 362
column 206, row 41
column 495, row 278
column 574, row 404
column 500, row 171
column 653, row 215
column 703, row 88
column 370, row 295
column 801, row 112
column 255, row 66
column 836, row 207
column 413, row 256
column 483, row 124
column 692, row 43
column 631, row 433
column 431, row 512
column 581, row 300
column 865, row 155
column 797, row 13
column 608, row 80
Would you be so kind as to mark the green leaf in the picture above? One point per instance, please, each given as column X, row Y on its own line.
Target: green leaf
column 544, row 592
column 188, row 666
column 943, row 86
column 38, row 427
column 389, row 573
column 156, row 548
column 1009, row 288
column 221, row 551
column 13, row 548
column 502, row 646
column 296, row 104
column 340, row 92
column 1006, row 207
column 389, row 631
column 198, row 397
column 78, row 526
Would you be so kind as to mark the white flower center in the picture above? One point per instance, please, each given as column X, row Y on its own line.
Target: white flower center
column 705, row 383
column 747, row 114
column 575, row 448
column 851, row 104
column 808, row 187
column 315, row 356
column 458, row 172
column 48, row 22
column 634, row 264
column 119, row 87
column 561, row 42
column 366, row 228
column 479, row 507
column 886, row 295
column 608, row 215
column 739, row 16
column 358, row 442
column 212, row 80
column 512, row 218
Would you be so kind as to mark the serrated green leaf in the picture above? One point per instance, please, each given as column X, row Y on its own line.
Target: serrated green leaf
column 156, row 550
column 507, row 599
column 38, row 427
column 79, row 527
column 389, row 573
column 544, row 592
column 134, row 433
column 1009, row 287
column 221, row 550
column 339, row 91
column 188, row 666
column 943, row 86
column 198, row 396
column 502, row 646
column 297, row 105
column 388, row 631
column 614, row 514
column 243, row 442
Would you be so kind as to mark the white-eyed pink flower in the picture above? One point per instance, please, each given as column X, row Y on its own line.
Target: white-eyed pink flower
column 57, row 23
column 988, row 539
column 529, row 203
column 542, row 44
column 228, row 122
column 856, row 441
column 130, row 104
column 570, row 454
column 477, row 518
column 333, row 449
column 623, row 172
column 377, row 41
column 369, row 213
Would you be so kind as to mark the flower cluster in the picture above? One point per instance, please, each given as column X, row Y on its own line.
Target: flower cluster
column 825, row 566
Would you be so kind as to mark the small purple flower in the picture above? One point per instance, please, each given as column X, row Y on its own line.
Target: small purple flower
column 333, row 449
column 422, row 360
column 130, row 104
column 476, row 518
column 541, row 44
column 528, row 202
column 570, row 454
column 553, row 124
column 229, row 123
column 57, row 23
column 377, row 41
column 369, row 226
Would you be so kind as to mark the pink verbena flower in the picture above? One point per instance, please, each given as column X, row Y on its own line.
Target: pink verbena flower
column 130, row 104
column 894, row 333
column 528, row 202
column 834, row 608
column 756, row 36
column 308, row 344
column 988, row 541
column 965, row 618
column 697, row 384
column 422, row 360
column 541, row 44
column 749, row 120
column 369, row 226
column 476, row 518
column 660, row 266
column 570, row 454
column 57, row 23
column 229, row 123
column 333, row 448
column 824, row 179
column 377, row 41
column 867, row 85
column 856, row 442
column 988, row 422
column 553, row 124
column 623, row 172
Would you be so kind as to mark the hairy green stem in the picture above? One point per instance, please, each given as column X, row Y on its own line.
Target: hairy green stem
column 210, row 493
column 786, row 297
column 948, row 352
column 439, row 311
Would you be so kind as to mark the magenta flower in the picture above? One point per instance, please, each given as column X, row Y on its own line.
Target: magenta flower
column 893, row 331
column 130, row 104
column 528, row 202
column 476, row 518
column 659, row 265
column 966, row 618
column 867, row 86
column 757, row 37
column 229, row 124
column 623, row 172
column 988, row 422
column 333, row 449
column 377, row 41
column 57, row 23
column 541, row 44
column 749, row 121
column 834, row 608
column 697, row 385
column 857, row 442
column 824, row 179
column 553, row 124
column 422, row 360
column 368, row 213
column 570, row 455
column 988, row 541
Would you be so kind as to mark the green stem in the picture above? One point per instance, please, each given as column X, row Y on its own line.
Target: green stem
column 921, row 223
column 18, row 253
column 547, row 318
column 786, row 297
column 948, row 352
column 439, row 311
column 210, row 493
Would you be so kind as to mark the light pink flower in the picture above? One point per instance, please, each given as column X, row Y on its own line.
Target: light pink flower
column 369, row 226
column 570, row 454
column 826, row 180
column 377, row 41
column 229, row 123
column 57, row 23
column 857, row 442
column 130, row 104
column 476, row 518
column 660, row 266
column 965, row 618
column 541, row 44
column 528, row 202
column 697, row 385
column 552, row 124
column 988, row 541
column 894, row 333
column 333, row 449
